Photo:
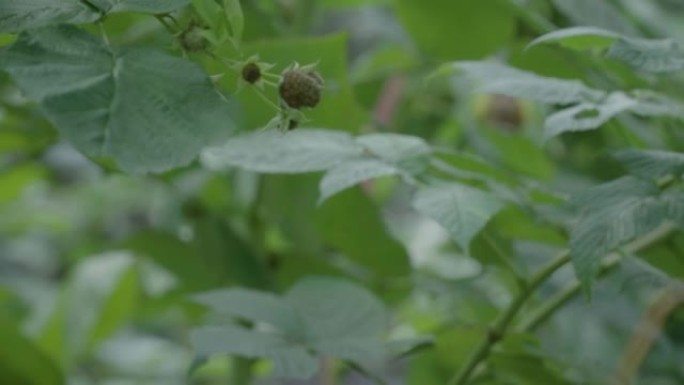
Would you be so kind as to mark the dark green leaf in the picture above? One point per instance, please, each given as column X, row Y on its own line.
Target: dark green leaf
column 95, row 98
column 22, row 362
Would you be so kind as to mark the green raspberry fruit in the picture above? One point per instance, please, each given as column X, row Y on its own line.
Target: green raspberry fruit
column 301, row 88
column 251, row 72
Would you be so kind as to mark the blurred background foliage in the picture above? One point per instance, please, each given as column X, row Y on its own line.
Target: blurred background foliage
column 97, row 267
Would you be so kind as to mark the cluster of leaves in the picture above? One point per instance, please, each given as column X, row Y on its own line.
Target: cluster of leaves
column 154, row 112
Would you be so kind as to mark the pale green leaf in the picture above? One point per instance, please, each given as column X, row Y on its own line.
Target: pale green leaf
column 651, row 163
column 394, row 148
column 337, row 309
column 611, row 215
column 19, row 15
column 351, row 173
column 578, row 38
column 462, row 210
column 255, row 306
column 95, row 99
column 271, row 151
column 103, row 293
column 500, row 79
column 648, row 55
column 587, row 116
column 289, row 360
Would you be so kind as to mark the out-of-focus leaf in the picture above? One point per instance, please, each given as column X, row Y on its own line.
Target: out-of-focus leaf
column 270, row 151
column 19, row 15
column 648, row 55
column 351, row 173
column 651, row 163
column 16, row 179
column 22, row 362
column 447, row 30
column 93, row 96
column 322, row 316
column 289, row 359
column 255, row 306
column 578, row 38
column 501, row 79
column 352, row 224
column 601, row 14
column 462, row 210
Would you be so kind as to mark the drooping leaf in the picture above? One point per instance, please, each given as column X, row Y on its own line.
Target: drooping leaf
column 351, row 173
column 19, row 15
column 147, row 110
column 462, row 210
column 270, row 151
column 500, row 79
column 651, row 163
column 610, row 215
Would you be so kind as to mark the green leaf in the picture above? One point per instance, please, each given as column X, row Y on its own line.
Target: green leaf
column 94, row 97
column 255, row 306
column 601, row 14
column 271, row 151
column 351, row 173
column 352, row 223
column 610, row 215
column 648, row 55
column 290, row 360
column 452, row 30
column 326, row 316
column 19, row 15
column 578, row 38
column 22, row 362
column 501, row 79
column 651, row 163
column 394, row 148
column 235, row 18
column 337, row 309
column 587, row 116
column 103, row 293
column 462, row 210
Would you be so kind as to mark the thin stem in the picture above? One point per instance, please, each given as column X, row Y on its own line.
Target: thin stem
column 519, row 279
column 539, row 316
column 501, row 325
column 370, row 375
column 498, row 330
column 169, row 28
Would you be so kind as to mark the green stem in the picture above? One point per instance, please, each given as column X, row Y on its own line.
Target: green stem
column 498, row 330
column 543, row 313
column 500, row 327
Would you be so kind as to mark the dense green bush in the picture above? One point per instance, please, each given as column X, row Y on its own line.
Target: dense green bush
column 341, row 192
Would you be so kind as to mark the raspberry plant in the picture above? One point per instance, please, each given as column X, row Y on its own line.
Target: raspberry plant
column 443, row 192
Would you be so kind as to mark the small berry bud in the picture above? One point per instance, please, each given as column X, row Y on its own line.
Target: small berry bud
column 251, row 73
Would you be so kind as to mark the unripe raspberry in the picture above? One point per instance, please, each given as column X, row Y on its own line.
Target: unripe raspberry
column 191, row 39
column 301, row 88
column 251, row 72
